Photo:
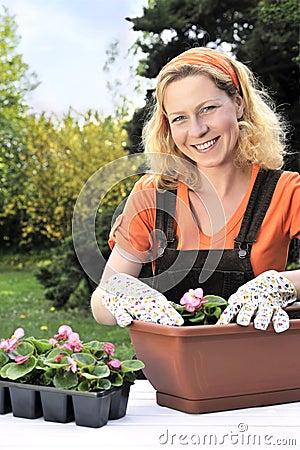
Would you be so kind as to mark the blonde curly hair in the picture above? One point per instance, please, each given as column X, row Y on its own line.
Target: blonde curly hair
column 262, row 136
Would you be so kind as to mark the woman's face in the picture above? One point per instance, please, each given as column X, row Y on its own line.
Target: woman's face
column 203, row 120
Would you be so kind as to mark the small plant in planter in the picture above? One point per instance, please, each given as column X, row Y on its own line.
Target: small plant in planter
column 64, row 362
column 197, row 309
column 217, row 367
column 66, row 366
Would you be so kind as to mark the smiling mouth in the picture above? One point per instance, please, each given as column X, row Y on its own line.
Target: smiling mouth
column 206, row 145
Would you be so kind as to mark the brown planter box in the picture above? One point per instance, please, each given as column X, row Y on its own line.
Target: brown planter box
column 206, row 368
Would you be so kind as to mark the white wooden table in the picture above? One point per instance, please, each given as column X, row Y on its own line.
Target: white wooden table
column 149, row 426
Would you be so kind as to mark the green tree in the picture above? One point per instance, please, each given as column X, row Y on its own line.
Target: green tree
column 276, row 35
column 263, row 34
column 61, row 156
column 15, row 82
column 171, row 26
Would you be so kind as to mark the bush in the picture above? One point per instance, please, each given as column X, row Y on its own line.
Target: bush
column 65, row 282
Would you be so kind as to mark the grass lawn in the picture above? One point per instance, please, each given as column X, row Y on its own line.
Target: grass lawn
column 22, row 304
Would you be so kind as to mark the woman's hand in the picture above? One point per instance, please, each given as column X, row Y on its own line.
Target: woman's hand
column 264, row 297
column 128, row 298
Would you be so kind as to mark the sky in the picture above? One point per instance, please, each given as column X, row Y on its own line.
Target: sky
column 65, row 41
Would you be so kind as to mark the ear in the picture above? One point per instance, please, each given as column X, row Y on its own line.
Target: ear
column 239, row 106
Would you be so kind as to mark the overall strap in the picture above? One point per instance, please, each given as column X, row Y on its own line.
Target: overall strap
column 257, row 207
column 165, row 215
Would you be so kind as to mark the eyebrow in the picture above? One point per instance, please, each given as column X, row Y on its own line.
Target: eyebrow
column 200, row 105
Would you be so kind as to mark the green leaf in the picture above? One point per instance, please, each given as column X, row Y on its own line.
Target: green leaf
column 14, row 371
column 65, row 379
column 24, row 349
column 116, row 379
column 89, row 376
column 213, row 308
column 41, row 364
column 63, row 362
column 84, row 386
column 217, row 312
column 95, row 345
column 199, row 318
column 130, row 376
column 3, row 358
column 3, row 371
column 57, row 351
column 101, row 370
column 103, row 384
column 42, row 345
column 46, row 378
column 84, row 359
column 132, row 365
column 179, row 308
column 214, row 300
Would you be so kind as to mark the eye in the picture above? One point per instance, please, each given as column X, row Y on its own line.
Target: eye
column 178, row 119
column 207, row 109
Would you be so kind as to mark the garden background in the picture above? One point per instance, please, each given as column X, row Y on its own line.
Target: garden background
column 45, row 160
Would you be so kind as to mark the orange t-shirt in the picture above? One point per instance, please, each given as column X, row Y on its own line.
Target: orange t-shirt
column 132, row 229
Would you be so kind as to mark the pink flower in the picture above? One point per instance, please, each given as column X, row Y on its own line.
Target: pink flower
column 9, row 345
column 74, row 342
column 64, row 346
column 4, row 344
column 65, row 329
column 57, row 358
column 63, row 333
column 72, row 366
column 193, row 299
column 19, row 333
column 108, row 348
column 69, row 340
column 21, row 359
column 114, row 364
column 77, row 348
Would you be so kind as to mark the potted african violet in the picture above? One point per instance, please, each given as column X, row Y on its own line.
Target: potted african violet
column 201, row 367
column 64, row 379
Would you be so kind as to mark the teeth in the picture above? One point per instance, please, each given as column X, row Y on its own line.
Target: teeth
column 205, row 145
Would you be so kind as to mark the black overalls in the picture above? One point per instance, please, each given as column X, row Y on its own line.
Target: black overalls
column 218, row 272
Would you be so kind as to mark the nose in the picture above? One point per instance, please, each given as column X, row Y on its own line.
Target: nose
column 198, row 127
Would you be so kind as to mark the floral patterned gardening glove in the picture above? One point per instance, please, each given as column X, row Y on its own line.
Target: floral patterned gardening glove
column 128, row 298
column 264, row 297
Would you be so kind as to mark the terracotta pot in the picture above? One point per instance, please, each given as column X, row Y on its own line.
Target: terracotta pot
column 213, row 367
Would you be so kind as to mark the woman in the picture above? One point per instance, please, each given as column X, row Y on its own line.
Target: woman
column 216, row 212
